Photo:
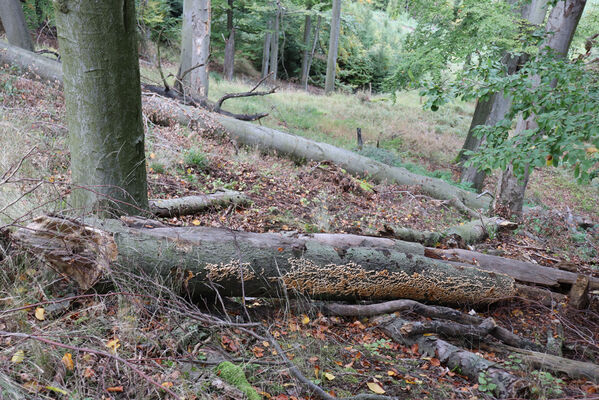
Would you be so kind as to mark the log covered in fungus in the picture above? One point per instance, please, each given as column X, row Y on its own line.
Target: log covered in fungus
column 326, row 266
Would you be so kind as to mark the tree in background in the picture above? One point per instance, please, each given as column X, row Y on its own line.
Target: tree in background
column 229, row 63
column 103, row 105
column 14, row 24
column 195, row 48
column 329, row 85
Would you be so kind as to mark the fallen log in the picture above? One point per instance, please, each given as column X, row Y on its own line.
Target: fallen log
column 472, row 232
column 194, row 204
column 520, row 270
column 163, row 110
column 473, row 366
column 328, row 266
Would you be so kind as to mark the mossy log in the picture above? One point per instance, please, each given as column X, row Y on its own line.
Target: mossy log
column 193, row 204
column 326, row 266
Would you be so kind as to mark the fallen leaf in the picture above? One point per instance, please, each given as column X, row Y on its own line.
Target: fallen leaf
column 196, row 222
column 376, row 388
column 167, row 385
column 67, row 360
column 435, row 362
column 114, row 389
column 57, row 390
column 39, row 313
column 18, row 357
column 305, row 319
column 329, row 376
column 88, row 372
column 113, row 344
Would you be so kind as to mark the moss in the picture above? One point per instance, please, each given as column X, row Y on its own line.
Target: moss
column 235, row 376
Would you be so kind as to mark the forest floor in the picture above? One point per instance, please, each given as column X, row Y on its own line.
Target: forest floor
column 160, row 334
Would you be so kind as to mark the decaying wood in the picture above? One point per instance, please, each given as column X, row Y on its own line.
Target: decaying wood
column 469, row 364
column 579, row 294
column 194, row 204
column 541, row 295
column 329, row 266
column 520, row 270
column 474, row 231
column 438, row 312
column 548, row 362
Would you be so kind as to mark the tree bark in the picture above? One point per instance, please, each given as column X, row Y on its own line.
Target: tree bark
column 45, row 68
column 489, row 112
column 311, row 55
column 195, row 48
column 328, row 266
column 229, row 66
column 329, row 85
column 194, row 204
column 266, row 48
column 561, row 26
column 306, row 52
column 103, row 105
column 274, row 44
column 15, row 25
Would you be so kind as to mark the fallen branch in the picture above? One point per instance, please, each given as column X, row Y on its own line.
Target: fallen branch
column 194, row 204
column 469, row 364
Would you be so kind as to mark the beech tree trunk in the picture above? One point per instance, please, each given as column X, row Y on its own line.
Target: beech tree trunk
column 329, row 85
column 311, row 55
column 15, row 25
column 492, row 110
column 306, row 52
column 274, row 44
column 195, row 48
column 328, row 266
column 103, row 105
column 560, row 28
column 229, row 66
column 266, row 48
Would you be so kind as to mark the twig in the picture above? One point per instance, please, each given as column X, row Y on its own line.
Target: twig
column 91, row 351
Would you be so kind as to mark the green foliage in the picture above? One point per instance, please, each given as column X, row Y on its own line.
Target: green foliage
column 485, row 385
column 376, row 346
column 196, row 158
column 235, row 376
column 38, row 13
column 162, row 18
column 547, row 385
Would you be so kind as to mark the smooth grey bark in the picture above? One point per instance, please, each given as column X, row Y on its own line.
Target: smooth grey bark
column 311, row 55
column 329, row 85
column 304, row 149
column 266, row 48
column 561, row 26
column 274, row 44
column 15, row 25
column 103, row 105
column 329, row 266
column 492, row 110
column 46, row 68
column 306, row 52
column 229, row 64
column 194, row 204
column 195, row 48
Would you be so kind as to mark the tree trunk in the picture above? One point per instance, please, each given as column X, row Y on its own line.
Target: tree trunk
column 103, row 105
column 43, row 67
column 274, row 44
column 195, row 48
column 560, row 29
column 15, row 25
column 329, row 85
column 489, row 112
column 229, row 66
column 327, row 266
column 306, row 52
column 266, row 48
column 311, row 56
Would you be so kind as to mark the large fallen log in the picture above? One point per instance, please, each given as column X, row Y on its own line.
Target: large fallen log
column 328, row 266
column 193, row 204
column 520, row 270
column 258, row 136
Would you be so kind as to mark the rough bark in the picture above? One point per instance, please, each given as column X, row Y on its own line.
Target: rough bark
column 306, row 52
column 15, row 25
column 301, row 148
column 195, row 204
column 195, row 48
column 561, row 26
column 229, row 64
column 43, row 67
column 274, row 43
column 492, row 110
column 330, row 266
column 474, row 231
column 520, row 270
column 266, row 49
column 469, row 364
column 103, row 105
column 329, row 85
column 165, row 111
